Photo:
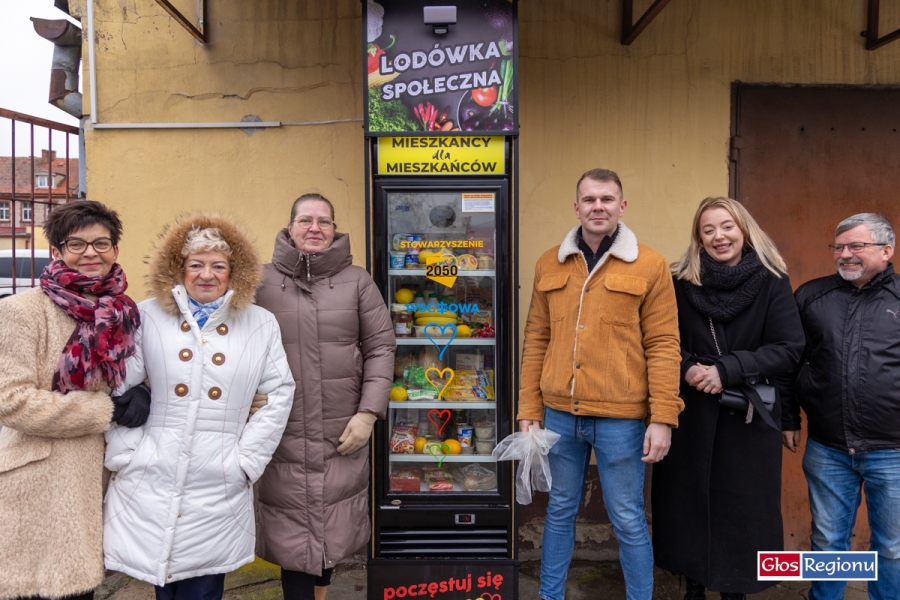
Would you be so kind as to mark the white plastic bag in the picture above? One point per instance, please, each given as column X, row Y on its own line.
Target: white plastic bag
column 531, row 448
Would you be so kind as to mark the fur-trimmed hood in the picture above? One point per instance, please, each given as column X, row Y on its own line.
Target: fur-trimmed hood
column 625, row 247
column 167, row 264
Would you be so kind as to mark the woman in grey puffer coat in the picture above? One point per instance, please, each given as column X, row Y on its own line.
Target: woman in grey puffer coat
column 313, row 497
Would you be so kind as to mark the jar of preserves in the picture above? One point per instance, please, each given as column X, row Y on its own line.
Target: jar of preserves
column 403, row 322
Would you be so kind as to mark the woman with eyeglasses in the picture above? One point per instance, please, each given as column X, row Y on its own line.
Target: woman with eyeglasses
column 63, row 348
column 717, row 497
column 179, row 512
column 313, row 497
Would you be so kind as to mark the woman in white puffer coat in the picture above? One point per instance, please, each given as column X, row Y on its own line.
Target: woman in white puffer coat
column 179, row 511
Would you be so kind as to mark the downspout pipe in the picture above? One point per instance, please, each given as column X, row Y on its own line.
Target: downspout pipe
column 66, row 37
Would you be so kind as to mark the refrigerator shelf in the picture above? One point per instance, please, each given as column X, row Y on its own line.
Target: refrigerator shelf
column 460, row 273
column 440, row 404
column 427, row 458
column 456, row 341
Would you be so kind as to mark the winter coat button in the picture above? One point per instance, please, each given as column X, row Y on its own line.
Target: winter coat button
column 577, row 366
column 576, row 409
column 181, row 390
column 218, row 358
column 185, row 355
column 581, row 327
column 215, row 393
column 185, row 326
column 222, row 329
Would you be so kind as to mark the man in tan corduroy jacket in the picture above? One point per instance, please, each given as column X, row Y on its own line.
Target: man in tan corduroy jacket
column 601, row 358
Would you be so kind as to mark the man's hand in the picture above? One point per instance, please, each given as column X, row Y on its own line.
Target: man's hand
column 707, row 380
column 357, row 433
column 656, row 442
column 791, row 440
column 259, row 400
column 525, row 424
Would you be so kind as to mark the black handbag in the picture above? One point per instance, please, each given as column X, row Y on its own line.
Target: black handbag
column 753, row 393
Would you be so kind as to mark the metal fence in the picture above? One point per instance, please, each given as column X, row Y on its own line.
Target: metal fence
column 30, row 186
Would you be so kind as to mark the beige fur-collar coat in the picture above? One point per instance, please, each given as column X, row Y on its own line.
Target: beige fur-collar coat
column 51, row 459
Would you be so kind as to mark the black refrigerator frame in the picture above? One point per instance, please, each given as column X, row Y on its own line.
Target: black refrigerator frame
column 424, row 513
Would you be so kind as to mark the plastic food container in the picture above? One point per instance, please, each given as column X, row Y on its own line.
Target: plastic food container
column 484, row 430
column 397, row 260
column 484, row 446
column 464, row 435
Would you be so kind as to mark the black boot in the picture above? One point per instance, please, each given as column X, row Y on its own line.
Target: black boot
column 695, row 591
column 732, row 596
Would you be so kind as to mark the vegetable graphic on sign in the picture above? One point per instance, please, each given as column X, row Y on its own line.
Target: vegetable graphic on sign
column 373, row 54
column 484, row 96
column 461, row 82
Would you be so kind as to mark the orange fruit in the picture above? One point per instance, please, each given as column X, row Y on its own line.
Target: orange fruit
column 451, row 446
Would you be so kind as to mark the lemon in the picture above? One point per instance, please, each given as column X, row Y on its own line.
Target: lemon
column 420, row 444
column 398, row 394
column 463, row 331
column 424, row 255
column 451, row 446
column 403, row 296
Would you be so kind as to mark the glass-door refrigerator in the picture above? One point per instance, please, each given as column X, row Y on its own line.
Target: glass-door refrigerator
column 442, row 506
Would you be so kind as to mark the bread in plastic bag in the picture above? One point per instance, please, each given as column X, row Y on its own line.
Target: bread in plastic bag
column 531, row 449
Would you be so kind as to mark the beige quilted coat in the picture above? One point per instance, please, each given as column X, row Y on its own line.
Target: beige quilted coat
column 312, row 508
column 51, row 459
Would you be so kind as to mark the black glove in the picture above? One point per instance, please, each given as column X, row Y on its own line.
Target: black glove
column 133, row 407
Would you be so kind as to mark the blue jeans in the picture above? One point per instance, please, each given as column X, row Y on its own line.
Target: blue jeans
column 204, row 587
column 835, row 481
column 618, row 445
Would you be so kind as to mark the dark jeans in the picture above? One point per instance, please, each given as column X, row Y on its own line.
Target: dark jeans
column 85, row 596
column 301, row 586
column 205, row 587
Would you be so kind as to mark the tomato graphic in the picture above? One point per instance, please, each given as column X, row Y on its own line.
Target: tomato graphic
column 484, row 96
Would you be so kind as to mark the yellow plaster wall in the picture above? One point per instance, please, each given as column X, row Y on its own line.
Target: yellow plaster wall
column 657, row 111
column 278, row 60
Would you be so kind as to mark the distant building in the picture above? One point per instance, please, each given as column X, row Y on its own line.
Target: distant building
column 39, row 183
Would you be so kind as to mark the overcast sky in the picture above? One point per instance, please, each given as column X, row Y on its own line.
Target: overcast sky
column 25, row 60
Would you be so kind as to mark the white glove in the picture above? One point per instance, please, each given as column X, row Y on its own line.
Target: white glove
column 357, row 433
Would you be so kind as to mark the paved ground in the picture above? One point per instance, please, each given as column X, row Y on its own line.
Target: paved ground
column 587, row 580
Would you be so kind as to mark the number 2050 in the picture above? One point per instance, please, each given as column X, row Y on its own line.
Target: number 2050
column 441, row 271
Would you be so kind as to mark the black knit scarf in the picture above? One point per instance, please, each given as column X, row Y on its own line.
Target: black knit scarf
column 726, row 291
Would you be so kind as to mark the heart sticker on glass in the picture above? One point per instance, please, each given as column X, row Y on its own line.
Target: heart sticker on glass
column 444, row 415
column 440, row 459
column 442, row 328
column 441, row 373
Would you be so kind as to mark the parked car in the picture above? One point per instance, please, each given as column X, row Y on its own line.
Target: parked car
column 23, row 269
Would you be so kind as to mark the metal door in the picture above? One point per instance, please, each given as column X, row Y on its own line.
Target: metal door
column 803, row 159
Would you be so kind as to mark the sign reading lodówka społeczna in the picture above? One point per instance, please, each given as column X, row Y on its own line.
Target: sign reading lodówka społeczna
column 420, row 80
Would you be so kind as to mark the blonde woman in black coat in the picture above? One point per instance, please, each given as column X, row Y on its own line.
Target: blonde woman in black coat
column 717, row 496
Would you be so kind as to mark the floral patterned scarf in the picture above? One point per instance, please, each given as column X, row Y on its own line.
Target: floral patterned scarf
column 202, row 312
column 104, row 334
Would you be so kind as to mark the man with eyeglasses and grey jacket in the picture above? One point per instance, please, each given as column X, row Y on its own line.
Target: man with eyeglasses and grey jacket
column 849, row 387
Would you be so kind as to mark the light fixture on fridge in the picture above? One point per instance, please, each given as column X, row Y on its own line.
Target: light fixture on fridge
column 439, row 17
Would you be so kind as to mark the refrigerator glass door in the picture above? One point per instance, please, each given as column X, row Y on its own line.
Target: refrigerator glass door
column 442, row 287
